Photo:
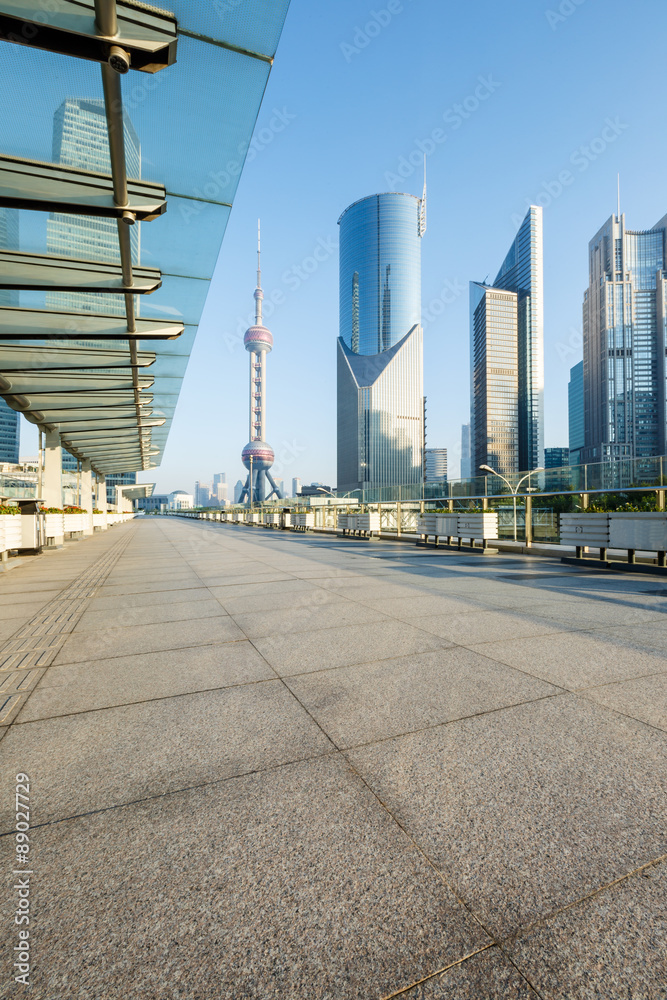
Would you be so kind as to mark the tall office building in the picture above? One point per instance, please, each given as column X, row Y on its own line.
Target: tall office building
column 202, row 494
column 9, row 419
column 556, row 458
column 625, row 323
column 435, row 465
column 466, row 471
column 296, row 486
column 575, row 413
column 380, row 363
column 238, row 490
column 506, row 353
column 80, row 139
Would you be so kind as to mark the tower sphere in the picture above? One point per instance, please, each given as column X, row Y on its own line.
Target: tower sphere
column 261, row 453
column 258, row 338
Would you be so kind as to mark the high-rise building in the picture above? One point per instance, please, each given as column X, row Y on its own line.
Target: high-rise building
column 436, row 465
column 625, row 322
column 296, row 486
column 202, row 494
column 575, row 413
column 556, row 458
column 380, row 363
column 80, row 139
column 506, row 353
column 238, row 490
column 9, row 419
column 466, row 471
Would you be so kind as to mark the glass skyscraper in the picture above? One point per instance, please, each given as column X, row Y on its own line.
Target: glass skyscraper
column 507, row 358
column 9, row 419
column 80, row 139
column 625, row 335
column 575, row 413
column 380, row 362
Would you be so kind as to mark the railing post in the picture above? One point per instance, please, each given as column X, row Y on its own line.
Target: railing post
column 528, row 518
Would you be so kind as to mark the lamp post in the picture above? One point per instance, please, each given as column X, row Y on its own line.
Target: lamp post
column 513, row 489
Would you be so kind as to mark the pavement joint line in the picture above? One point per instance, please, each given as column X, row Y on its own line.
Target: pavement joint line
column 622, row 715
column 177, row 791
column 142, row 701
column 438, row 972
column 36, row 643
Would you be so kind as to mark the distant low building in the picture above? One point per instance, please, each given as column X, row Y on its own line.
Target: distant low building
column 313, row 490
column 180, row 500
column 158, row 501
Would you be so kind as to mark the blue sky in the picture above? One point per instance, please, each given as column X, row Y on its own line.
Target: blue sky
column 520, row 93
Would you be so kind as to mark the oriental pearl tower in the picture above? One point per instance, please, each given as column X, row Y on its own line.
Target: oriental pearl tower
column 258, row 455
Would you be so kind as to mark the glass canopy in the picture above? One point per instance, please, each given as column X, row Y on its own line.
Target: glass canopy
column 101, row 289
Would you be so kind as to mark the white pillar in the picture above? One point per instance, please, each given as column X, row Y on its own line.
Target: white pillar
column 102, row 499
column 52, row 484
column 87, row 495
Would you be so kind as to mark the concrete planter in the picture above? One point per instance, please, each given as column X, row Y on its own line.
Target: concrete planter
column 346, row 521
column 446, row 525
column 427, row 524
column 585, row 529
column 74, row 524
column 272, row 520
column 647, row 531
column 12, row 532
column 285, row 520
column 482, row 525
column 54, row 528
column 303, row 519
column 370, row 521
column 239, row 517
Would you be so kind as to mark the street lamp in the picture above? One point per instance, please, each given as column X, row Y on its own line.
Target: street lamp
column 513, row 489
column 321, row 489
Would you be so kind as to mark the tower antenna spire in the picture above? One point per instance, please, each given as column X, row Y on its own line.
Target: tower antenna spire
column 422, row 206
column 618, row 199
column 258, row 291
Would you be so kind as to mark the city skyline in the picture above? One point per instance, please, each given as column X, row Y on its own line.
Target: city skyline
column 569, row 166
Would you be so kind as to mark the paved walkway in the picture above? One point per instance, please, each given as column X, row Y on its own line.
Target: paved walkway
column 305, row 768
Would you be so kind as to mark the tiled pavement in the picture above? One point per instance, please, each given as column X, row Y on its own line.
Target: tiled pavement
column 304, row 768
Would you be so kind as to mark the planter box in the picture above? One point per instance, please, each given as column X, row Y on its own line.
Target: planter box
column 647, row 531
column 368, row 522
column 272, row 519
column 346, row 522
column 12, row 532
column 447, row 525
column 74, row 523
column 99, row 520
column 285, row 520
column 585, row 529
column 427, row 524
column 239, row 517
column 304, row 519
column 480, row 525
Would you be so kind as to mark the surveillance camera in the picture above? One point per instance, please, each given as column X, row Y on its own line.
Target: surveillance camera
column 119, row 59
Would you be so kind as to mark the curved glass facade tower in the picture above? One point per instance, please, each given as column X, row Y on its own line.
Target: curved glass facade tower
column 380, row 271
column 380, row 363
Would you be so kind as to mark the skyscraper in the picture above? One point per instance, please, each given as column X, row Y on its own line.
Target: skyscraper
column 575, row 413
column 380, row 364
column 625, row 322
column 436, row 465
column 296, row 486
column 9, row 419
column 80, row 139
column 506, row 353
column 465, row 451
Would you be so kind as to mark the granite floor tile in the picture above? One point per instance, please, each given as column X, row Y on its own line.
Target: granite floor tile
column 82, row 687
column 307, row 618
column 528, row 809
column 115, row 755
column 279, row 598
column 486, row 626
column 137, row 586
column 120, row 602
column 574, row 660
column 232, row 591
column 292, row 883
column 651, row 636
column 236, row 579
column 582, row 613
column 336, row 647
column 147, row 638
column 611, row 945
column 487, row 975
column 174, row 611
column 643, row 698
column 374, row 701
column 414, row 605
